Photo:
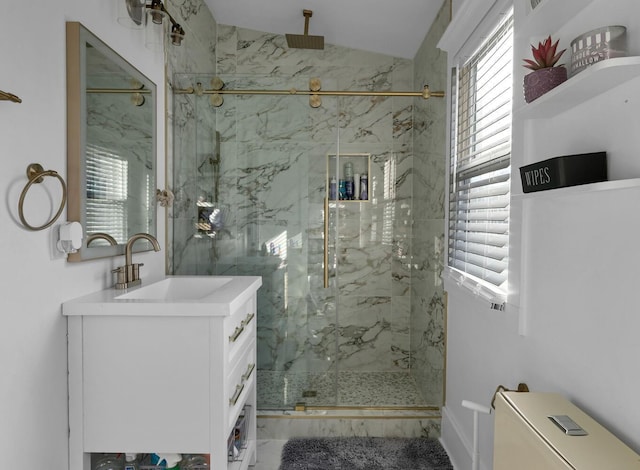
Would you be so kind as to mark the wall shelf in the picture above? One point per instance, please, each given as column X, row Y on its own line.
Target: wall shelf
column 549, row 16
column 580, row 189
column 597, row 79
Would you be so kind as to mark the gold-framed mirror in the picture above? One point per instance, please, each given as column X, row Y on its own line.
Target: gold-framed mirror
column 111, row 146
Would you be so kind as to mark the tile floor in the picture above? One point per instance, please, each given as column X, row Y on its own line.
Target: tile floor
column 278, row 390
column 269, row 451
column 281, row 390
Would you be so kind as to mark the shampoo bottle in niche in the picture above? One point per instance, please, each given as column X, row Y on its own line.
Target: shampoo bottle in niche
column 356, row 186
column 333, row 188
column 348, row 178
column 364, row 193
column 342, row 189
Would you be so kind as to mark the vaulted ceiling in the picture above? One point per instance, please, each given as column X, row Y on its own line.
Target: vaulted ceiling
column 393, row 27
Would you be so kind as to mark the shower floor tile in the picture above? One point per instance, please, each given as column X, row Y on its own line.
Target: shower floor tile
column 355, row 389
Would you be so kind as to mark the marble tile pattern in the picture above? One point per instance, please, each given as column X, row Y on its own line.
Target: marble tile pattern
column 282, row 390
column 278, row 425
column 281, row 146
column 190, row 149
column 262, row 160
column 268, row 454
column 427, row 324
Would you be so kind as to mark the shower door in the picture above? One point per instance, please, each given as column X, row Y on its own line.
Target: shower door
column 250, row 200
column 371, row 236
column 251, row 180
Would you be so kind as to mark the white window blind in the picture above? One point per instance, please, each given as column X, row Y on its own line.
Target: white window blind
column 480, row 162
column 106, row 193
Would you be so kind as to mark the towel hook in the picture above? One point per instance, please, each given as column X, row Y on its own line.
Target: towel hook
column 5, row 96
column 36, row 174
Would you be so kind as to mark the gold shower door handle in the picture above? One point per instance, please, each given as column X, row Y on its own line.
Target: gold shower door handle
column 326, row 242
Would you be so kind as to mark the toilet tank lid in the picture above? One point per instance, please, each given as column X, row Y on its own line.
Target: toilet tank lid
column 597, row 450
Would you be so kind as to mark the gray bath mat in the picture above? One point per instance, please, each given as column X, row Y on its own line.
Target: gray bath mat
column 370, row 453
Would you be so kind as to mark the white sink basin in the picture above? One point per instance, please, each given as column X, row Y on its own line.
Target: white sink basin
column 170, row 296
column 178, row 288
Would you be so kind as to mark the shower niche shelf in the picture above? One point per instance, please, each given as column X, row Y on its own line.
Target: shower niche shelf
column 339, row 168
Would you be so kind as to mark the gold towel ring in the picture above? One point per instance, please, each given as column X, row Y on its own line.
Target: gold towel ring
column 36, row 174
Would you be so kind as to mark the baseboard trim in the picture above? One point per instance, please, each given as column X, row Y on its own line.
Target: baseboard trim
column 459, row 445
column 454, row 442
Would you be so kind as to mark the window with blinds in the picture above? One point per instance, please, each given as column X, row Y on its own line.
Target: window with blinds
column 106, row 208
column 478, row 232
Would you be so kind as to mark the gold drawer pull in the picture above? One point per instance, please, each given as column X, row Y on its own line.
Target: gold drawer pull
column 249, row 371
column 236, row 396
column 247, row 320
column 236, row 334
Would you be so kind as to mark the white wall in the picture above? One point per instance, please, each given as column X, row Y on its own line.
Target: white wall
column 33, row 360
column 574, row 328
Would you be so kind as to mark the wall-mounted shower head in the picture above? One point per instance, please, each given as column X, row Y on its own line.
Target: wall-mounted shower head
column 304, row 41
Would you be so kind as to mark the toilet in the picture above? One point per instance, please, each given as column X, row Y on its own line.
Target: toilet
column 545, row 431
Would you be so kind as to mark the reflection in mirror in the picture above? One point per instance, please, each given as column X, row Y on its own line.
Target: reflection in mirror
column 111, row 146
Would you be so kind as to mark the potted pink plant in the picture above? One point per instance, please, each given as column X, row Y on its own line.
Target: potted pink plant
column 546, row 75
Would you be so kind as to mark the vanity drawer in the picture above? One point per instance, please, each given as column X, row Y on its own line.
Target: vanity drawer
column 241, row 363
column 240, row 318
column 240, row 330
column 241, row 376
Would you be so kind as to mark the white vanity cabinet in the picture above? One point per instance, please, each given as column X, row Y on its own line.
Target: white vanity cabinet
column 147, row 378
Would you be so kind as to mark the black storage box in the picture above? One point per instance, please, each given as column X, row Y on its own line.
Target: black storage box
column 568, row 170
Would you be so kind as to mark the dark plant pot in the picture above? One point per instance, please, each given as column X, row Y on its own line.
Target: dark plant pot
column 538, row 82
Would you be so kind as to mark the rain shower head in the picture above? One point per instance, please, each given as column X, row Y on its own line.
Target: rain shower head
column 304, row 41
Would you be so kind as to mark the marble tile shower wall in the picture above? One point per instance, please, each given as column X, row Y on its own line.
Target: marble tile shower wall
column 190, row 171
column 280, row 146
column 271, row 178
column 427, row 294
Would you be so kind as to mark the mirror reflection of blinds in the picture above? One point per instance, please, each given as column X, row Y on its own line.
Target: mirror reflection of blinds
column 106, row 207
column 480, row 163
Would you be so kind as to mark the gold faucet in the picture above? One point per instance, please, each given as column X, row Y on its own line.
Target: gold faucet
column 129, row 274
column 104, row 236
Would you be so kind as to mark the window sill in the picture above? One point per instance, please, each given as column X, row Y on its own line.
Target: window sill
column 482, row 291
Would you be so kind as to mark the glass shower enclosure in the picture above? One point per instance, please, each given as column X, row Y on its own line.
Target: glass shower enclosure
column 254, row 195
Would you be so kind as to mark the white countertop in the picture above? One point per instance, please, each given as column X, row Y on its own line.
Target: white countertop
column 222, row 302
